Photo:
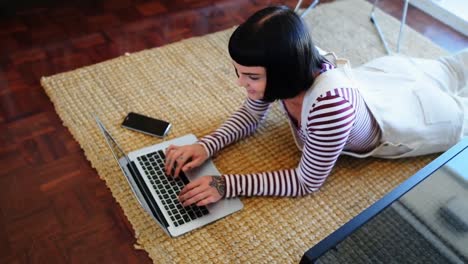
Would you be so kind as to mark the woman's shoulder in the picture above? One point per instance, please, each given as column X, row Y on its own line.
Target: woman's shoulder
column 334, row 100
column 326, row 66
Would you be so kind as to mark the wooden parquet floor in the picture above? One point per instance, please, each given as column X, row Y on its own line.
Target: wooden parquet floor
column 53, row 206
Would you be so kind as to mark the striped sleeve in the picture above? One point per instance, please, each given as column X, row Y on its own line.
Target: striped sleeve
column 241, row 124
column 328, row 127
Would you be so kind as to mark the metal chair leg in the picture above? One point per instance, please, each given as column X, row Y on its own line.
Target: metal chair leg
column 298, row 5
column 403, row 23
column 379, row 31
column 310, row 7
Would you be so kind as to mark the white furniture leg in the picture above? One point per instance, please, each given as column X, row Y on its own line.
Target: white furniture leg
column 312, row 5
column 379, row 31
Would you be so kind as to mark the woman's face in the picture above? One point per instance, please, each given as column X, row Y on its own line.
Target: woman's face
column 253, row 79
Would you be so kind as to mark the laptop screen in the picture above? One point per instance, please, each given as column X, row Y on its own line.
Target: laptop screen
column 133, row 177
column 427, row 224
column 123, row 162
column 116, row 150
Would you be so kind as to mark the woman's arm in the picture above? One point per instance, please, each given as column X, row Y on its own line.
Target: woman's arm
column 241, row 124
column 329, row 125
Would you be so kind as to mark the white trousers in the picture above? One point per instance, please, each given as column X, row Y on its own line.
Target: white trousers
column 457, row 65
column 451, row 73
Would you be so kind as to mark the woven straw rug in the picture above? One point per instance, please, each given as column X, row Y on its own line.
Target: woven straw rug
column 192, row 84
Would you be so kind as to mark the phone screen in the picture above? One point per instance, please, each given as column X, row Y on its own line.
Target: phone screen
column 147, row 125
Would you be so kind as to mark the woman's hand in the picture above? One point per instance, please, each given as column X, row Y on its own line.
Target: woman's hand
column 203, row 191
column 184, row 158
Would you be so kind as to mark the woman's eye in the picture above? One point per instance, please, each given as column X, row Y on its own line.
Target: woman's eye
column 254, row 78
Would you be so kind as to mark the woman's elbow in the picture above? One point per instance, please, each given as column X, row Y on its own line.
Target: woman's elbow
column 308, row 189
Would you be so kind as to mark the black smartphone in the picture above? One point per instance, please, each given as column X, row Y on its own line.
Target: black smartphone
column 147, row 125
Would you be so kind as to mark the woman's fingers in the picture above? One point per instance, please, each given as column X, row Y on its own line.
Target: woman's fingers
column 183, row 158
column 196, row 195
column 169, row 159
column 190, row 186
column 199, row 192
column 192, row 164
column 192, row 190
column 180, row 161
column 206, row 201
column 175, row 159
column 170, row 162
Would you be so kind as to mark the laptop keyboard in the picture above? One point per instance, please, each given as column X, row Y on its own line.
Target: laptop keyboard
column 168, row 189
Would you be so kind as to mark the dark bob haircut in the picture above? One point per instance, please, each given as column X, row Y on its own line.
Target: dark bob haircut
column 276, row 38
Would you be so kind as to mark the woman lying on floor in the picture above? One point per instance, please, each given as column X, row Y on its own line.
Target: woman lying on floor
column 391, row 107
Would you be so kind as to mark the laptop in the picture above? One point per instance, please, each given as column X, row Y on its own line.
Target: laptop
column 424, row 220
column 157, row 193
